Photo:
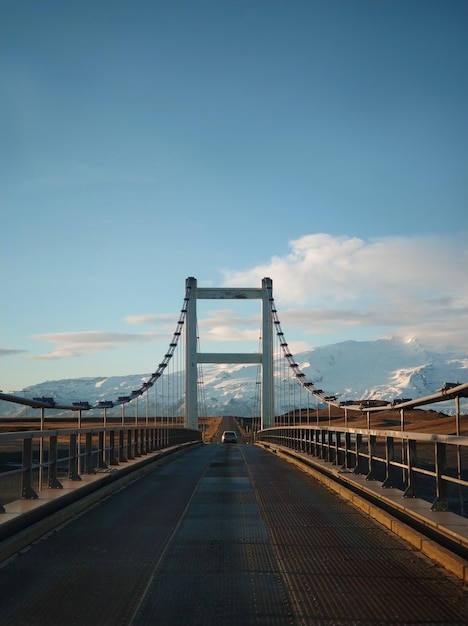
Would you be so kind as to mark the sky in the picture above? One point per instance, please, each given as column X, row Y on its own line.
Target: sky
column 320, row 143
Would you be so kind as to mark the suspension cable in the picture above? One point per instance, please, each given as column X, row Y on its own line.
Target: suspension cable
column 161, row 367
column 201, row 395
column 294, row 368
column 257, row 395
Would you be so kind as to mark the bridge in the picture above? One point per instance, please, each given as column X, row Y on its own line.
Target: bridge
column 111, row 514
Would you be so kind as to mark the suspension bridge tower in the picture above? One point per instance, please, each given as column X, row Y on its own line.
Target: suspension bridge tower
column 193, row 357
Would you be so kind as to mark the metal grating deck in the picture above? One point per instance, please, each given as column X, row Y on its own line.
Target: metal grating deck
column 226, row 536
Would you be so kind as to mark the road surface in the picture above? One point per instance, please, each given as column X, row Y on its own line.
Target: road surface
column 226, row 535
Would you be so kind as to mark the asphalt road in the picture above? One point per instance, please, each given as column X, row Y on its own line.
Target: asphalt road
column 228, row 423
column 226, row 535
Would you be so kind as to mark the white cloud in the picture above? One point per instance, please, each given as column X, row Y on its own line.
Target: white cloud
column 228, row 325
column 411, row 285
column 74, row 344
column 222, row 317
column 150, row 319
column 221, row 325
column 326, row 287
column 229, row 332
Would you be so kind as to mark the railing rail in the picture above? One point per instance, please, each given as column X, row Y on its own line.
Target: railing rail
column 33, row 460
column 429, row 466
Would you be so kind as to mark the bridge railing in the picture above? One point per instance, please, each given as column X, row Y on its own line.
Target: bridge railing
column 33, row 460
column 428, row 466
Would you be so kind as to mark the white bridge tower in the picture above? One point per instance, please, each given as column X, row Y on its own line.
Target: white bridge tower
column 193, row 358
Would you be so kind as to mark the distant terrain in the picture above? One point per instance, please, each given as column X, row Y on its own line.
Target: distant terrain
column 386, row 369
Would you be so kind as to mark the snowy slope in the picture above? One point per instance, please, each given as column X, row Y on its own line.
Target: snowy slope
column 383, row 369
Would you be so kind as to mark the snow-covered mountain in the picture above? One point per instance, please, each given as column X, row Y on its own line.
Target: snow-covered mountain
column 352, row 370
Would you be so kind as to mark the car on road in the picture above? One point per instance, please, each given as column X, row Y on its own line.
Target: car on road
column 229, row 436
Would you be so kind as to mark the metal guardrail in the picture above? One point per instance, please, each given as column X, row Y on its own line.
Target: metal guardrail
column 33, row 460
column 428, row 466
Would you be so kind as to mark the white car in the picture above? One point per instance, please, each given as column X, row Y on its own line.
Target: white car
column 229, row 436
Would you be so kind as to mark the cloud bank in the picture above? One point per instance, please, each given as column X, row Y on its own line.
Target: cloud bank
column 73, row 344
column 415, row 287
column 326, row 289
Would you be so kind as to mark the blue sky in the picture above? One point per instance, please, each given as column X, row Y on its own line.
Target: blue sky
column 322, row 143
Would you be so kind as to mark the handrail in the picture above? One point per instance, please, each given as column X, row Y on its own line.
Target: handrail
column 430, row 466
column 43, row 458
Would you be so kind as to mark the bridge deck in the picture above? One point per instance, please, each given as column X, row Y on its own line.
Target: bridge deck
column 226, row 535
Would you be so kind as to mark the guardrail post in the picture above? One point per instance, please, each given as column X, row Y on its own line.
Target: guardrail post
column 101, row 450
column 321, row 454
column 27, row 492
column 358, row 460
column 130, row 455
column 336, row 460
column 371, row 451
column 73, row 455
column 136, row 443
column 441, row 501
column 329, row 446
column 122, row 457
column 143, row 449
column 54, row 483
column 389, row 456
column 312, row 442
column 411, row 450
column 347, row 452
column 88, row 453
column 112, row 458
